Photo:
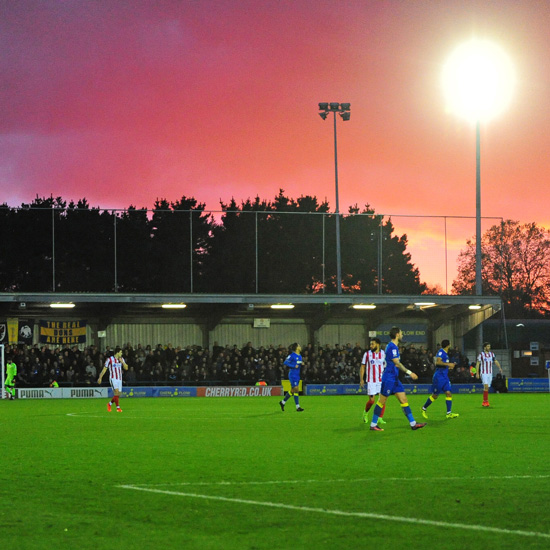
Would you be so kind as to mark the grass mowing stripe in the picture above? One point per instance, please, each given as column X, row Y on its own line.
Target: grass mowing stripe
column 365, row 515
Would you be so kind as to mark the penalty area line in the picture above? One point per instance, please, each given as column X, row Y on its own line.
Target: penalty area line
column 325, row 481
column 365, row 515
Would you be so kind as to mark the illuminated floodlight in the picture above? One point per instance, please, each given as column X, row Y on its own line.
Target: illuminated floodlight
column 364, row 306
column 174, row 306
column 282, row 306
column 478, row 80
column 424, row 304
column 62, row 305
column 474, row 306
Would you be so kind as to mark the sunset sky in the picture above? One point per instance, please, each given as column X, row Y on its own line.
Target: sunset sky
column 126, row 101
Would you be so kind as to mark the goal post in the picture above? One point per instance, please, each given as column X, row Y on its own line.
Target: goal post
column 3, row 368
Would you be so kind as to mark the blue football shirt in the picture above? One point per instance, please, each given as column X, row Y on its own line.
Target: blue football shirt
column 444, row 357
column 294, row 361
column 391, row 370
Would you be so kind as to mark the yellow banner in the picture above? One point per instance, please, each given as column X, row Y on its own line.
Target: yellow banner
column 63, row 332
column 13, row 330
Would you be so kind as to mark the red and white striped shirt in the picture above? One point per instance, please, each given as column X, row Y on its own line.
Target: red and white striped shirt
column 115, row 368
column 375, row 363
column 486, row 360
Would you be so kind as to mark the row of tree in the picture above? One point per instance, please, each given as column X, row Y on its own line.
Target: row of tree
column 272, row 247
column 515, row 265
column 279, row 246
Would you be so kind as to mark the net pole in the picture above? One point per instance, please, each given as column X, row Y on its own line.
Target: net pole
column 3, row 370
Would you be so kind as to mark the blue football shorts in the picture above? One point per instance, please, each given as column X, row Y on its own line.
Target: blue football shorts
column 391, row 386
column 294, row 377
column 441, row 383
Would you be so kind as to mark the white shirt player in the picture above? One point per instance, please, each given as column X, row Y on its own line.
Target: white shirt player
column 114, row 365
column 486, row 359
column 373, row 365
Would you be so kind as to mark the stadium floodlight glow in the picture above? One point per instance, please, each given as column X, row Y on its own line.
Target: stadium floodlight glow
column 478, row 80
column 364, row 306
column 474, row 306
column 424, row 304
column 282, row 306
column 60, row 305
column 174, row 306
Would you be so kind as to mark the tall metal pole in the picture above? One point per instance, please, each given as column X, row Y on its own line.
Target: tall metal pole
column 446, row 271
column 115, row 250
column 324, row 277
column 191, row 251
column 53, row 249
column 338, row 248
column 256, row 248
column 479, row 290
column 380, row 257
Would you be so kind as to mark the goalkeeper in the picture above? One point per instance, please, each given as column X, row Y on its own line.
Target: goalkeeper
column 9, row 384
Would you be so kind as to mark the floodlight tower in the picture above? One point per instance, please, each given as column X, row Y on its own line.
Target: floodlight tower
column 343, row 109
column 478, row 82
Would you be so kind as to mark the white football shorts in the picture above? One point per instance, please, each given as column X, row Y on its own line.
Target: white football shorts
column 486, row 379
column 116, row 384
column 374, row 387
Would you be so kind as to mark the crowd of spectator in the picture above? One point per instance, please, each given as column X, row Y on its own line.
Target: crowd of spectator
column 41, row 365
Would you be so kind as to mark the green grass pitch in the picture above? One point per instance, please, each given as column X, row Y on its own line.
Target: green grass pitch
column 238, row 473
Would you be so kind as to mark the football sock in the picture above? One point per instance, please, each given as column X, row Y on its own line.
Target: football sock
column 485, row 395
column 376, row 414
column 297, row 399
column 369, row 404
column 383, row 410
column 286, row 397
column 429, row 401
column 115, row 399
column 449, row 403
column 408, row 413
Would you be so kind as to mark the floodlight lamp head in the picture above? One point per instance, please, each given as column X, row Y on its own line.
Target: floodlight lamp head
column 345, row 106
column 334, row 106
column 323, row 115
column 345, row 116
column 323, row 106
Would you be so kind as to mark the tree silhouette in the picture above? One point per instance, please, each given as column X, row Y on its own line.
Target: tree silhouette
column 279, row 246
column 514, row 266
column 180, row 236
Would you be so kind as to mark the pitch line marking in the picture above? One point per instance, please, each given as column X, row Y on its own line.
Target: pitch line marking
column 364, row 515
column 131, row 415
column 360, row 480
